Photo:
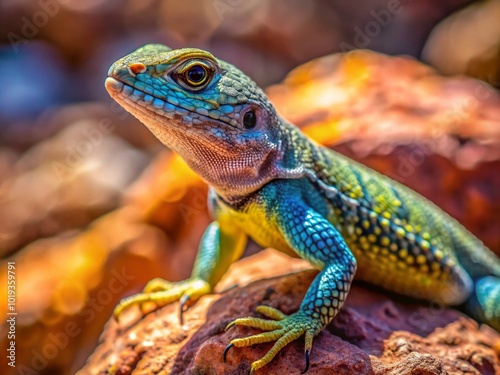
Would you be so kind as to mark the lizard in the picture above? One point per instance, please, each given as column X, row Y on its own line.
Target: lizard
column 269, row 182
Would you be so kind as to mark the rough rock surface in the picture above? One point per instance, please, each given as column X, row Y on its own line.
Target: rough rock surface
column 375, row 333
column 67, row 180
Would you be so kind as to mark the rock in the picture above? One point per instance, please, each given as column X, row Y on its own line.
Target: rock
column 463, row 43
column 375, row 333
column 93, row 268
column 456, row 349
column 67, row 180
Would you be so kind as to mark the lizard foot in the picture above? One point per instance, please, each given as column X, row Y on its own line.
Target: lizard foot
column 283, row 329
column 162, row 292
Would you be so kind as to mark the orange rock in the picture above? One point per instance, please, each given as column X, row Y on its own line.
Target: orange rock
column 373, row 334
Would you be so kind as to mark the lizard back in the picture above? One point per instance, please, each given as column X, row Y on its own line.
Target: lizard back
column 396, row 234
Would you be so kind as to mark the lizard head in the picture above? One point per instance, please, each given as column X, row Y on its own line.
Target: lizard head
column 211, row 113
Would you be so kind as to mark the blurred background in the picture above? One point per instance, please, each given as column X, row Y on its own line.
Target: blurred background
column 92, row 206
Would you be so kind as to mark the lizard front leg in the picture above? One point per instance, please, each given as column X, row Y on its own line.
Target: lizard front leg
column 221, row 244
column 319, row 242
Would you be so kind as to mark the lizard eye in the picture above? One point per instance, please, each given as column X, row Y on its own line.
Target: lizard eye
column 194, row 75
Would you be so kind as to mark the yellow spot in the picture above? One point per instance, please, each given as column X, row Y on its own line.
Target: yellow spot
column 425, row 245
column 385, row 252
column 401, row 265
column 213, row 103
column 400, row 232
column 377, row 210
column 385, row 223
column 426, row 236
column 385, row 241
column 393, row 247
column 393, row 258
column 410, row 259
column 397, row 202
column 365, row 245
column 386, row 214
column 421, row 259
column 375, row 249
column 377, row 230
column 439, row 255
column 408, row 228
column 403, row 253
column 359, row 231
column 366, row 224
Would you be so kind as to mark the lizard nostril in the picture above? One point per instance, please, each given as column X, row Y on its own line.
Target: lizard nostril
column 136, row 68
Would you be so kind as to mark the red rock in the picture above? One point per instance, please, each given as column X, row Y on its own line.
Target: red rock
column 375, row 333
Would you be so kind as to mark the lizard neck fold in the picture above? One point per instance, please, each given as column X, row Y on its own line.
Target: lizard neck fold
column 234, row 176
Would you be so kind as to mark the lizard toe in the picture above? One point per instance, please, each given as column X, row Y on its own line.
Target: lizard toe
column 283, row 331
column 160, row 293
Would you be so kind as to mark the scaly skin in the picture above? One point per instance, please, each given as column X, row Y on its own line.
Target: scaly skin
column 268, row 181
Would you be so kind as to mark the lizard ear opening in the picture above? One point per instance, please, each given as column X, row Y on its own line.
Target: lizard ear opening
column 249, row 119
column 254, row 117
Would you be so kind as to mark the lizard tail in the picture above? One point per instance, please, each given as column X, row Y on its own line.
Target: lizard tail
column 484, row 303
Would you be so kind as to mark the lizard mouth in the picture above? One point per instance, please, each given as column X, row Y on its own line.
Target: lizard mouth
column 147, row 103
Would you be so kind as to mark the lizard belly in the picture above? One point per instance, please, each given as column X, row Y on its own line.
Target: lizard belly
column 260, row 225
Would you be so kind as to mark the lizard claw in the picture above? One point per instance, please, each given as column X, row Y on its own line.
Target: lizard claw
column 284, row 330
column 225, row 352
column 161, row 293
column 184, row 305
column 307, row 362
